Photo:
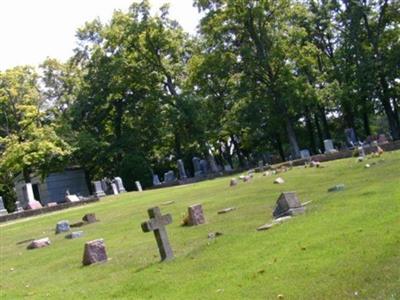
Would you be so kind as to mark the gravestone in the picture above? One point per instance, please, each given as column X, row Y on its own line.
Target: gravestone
column 94, row 252
column 3, row 211
column 305, row 153
column 98, row 189
column 228, row 168
column 181, row 169
column 212, row 163
column 287, row 205
column 89, row 218
column 74, row 235
column 31, row 202
column 62, row 226
column 382, row 139
column 279, row 180
column 197, row 167
column 233, row 182
column 196, row 215
column 138, row 186
column 120, row 185
column 169, row 176
column 114, row 188
column 350, row 136
column 328, row 145
column 71, row 198
column 157, row 224
column 204, row 167
column 18, row 206
column 156, row 180
column 40, row 243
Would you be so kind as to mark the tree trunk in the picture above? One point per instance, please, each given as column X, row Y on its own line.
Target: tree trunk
column 393, row 118
column 366, row 124
column 310, row 130
column 27, row 175
column 325, row 125
column 294, row 147
column 279, row 146
column 319, row 132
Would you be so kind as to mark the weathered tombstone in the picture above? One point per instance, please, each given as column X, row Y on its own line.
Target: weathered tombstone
column 204, row 167
column 98, row 189
column 40, row 243
column 350, row 136
column 157, row 224
column 305, row 153
column 32, row 203
column 120, row 185
column 233, row 182
column 71, row 198
column 3, row 211
column 156, row 180
column 169, row 176
column 228, row 168
column 196, row 215
column 328, row 145
column 18, row 206
column 74, row 235
column 279, row 180
column 62, row 226
column 196, row 167
column 181, row 169
column 105, row 186
column 114, row 188
column 138, row 186
column 94, row 252
column 382, row 139
column 212, row 163
column 89, row 218
column 287, row 205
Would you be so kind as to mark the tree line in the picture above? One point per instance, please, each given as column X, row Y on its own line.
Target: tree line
column 260, row 76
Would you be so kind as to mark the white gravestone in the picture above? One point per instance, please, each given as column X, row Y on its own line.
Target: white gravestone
column 138, row 186
column 120, row 185
column 328, row 145
column 3, row 211
column 305, row 153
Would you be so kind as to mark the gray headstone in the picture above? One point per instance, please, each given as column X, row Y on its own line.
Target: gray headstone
column 98, row 189
column 181, row 169
column 62, row 226
column 3, row 211
column 114, row 189
column 350, row 136
column 287, row 204
column 157, row 224
column 204, row 166
column 196, row 215
column 105, row 186
column 120, row 185
column 94, row 252
column 212, row 164
column 19, row 206
column 228, row 168
column 138, row 186
column 44, row 242
column 305, row 153
column 169, row 176
column 328, row 145
column 89, row 218
column 156, row 180
column 74, row 235
column 196, row 167
column 71, row 198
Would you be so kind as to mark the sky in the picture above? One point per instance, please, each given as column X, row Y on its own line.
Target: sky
column 31, row 30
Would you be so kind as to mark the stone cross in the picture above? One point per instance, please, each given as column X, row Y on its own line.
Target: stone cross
column 157, row 224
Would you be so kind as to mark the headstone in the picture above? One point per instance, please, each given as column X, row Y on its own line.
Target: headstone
column 288, row 204
column 89, row 218
column 279, row 180
column 105, row 186
column 181, row 169
column 212, row 163
column 196, row 215
column 31, row 202
column 74, row 235
column 305, row 153
column 95, row 251
column 350, row 136
column 18, row 206
column 247, row 178
column 169, row 176
column 382, row 139
column 196, row 167
column 33, row 205
column 337, row 188
column 51, row 204
column 157, row 224
column 98, row 189
column 62, row 226
column 71, row 198
column 120, row 185
column 361, row 152
column 3, row 211
column 233, row 182
column 114, row 188
column 44, row 242
column 138, row 186
column 156, row 180
column 328, row 145
column 228, row 168
column 204, row 167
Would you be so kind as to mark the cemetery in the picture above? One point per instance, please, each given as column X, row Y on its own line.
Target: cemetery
column 322, row 244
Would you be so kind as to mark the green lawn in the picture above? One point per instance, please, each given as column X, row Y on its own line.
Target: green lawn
column 346, row 246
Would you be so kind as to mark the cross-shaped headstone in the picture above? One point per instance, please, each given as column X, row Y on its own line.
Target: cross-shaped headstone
column 157, row 224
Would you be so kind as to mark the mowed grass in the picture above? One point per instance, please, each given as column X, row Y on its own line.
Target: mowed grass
column 346, row 246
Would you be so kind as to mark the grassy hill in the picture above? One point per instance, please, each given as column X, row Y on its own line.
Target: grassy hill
column 346, row 246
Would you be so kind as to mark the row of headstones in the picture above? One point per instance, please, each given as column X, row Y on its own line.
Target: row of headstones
column 106, row 186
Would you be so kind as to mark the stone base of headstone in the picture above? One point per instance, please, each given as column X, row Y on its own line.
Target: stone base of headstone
column 39, row 243
column 94, row 252
column 196, row 215
column 33, row 205
column 62, row 226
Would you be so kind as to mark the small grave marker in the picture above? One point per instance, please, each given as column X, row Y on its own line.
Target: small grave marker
column 226, row 210
column 157, row 224
column 62, row 226
column 40, row 243
column 288, row 204
column 336, row 188
column 138, row 186
column 74, row 235
column 196, row 215
column 89, row 218
column 95, row 251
